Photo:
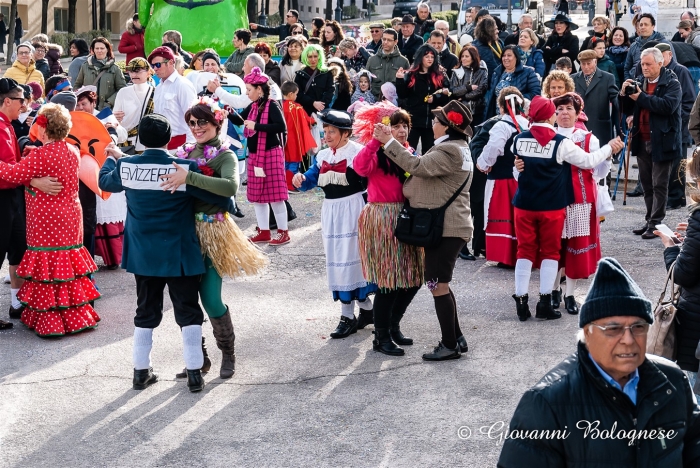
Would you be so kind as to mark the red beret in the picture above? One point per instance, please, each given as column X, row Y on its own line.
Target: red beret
column 541, row 109
column 161, row 51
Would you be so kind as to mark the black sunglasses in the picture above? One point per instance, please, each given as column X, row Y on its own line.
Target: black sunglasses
column 159, row 64
column 23, row 100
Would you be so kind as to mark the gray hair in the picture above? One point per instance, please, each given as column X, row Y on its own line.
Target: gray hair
column 256, row 61
column 423, row 5
column 653, row 51
column 528, row 15
column 442, row 23
column 581, row 335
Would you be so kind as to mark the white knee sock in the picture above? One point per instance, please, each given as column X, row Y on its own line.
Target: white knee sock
column 192, row 346
column 570, row 286
column 262, row 214
column 143, row 342
column 280, row 210
column 548, row 272
column 366, row 304
column 15, row 302
column 523, row 270
column 348, row 310
column 557, row 280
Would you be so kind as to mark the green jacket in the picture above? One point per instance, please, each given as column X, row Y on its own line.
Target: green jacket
column 224, row 182
column 110, row 82
column 234, row 63
column 384, row 66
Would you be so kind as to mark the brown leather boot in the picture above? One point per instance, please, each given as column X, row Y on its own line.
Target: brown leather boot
column 225, row 341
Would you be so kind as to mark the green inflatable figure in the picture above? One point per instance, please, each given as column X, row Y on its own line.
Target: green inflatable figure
column 202, row 23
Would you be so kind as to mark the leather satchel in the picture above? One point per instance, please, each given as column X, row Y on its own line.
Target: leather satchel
column 423, row 227
column 662, row 334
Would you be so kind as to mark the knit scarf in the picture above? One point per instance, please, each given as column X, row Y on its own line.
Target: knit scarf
column 618, row 49
column 263, row 119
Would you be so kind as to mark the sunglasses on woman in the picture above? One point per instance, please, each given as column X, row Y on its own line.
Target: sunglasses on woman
column 201, row 123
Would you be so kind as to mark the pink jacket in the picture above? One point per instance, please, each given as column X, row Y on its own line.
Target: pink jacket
column 381, row 188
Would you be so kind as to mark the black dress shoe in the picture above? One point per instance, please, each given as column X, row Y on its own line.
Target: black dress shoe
column 641, row 230
column 16, row 313
column 570, row 304
column 522, row 307
column 442, row 353
column 6, row 325
column 384, row 344
column 399, row 337
column 366, row 318
column 144, row 378
column 238, row 213
column 545, row 310
column 462, row 343
column 465, row 254
column 675, row 205
column 635, row 193
column 195, row 382
column 556, row 298
column 649, row 234
column 504, row 266
column 345, row 328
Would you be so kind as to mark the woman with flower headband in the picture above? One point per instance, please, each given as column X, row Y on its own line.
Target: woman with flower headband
column 267, row 183
column 496, row 161
column 395, row 267
column 57, row 291
column 341, row 209
column 226, row 249
column 441, row 173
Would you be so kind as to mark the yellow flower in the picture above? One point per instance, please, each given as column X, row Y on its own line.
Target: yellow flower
column 386, row 120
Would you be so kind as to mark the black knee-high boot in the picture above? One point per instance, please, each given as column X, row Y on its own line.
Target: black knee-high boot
column 403, row 300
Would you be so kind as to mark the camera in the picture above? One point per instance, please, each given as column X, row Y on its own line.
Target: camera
column 632, row 88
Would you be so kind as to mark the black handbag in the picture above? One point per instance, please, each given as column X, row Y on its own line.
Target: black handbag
column 423, row 227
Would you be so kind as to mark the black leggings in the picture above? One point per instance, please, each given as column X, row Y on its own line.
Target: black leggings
column 391, row 305
column 426, row 137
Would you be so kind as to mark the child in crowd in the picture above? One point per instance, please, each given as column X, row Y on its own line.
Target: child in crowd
column 389, row 93
column 363, row 80
column 564, row 64
column 299, row 138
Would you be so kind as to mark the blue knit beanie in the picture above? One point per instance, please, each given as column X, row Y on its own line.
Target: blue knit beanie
column 613, row 293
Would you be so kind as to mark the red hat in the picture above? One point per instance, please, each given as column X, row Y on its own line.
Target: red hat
column 541, row 109
column 161, row 51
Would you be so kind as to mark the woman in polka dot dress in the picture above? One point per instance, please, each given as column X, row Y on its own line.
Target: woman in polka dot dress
column 57, row 291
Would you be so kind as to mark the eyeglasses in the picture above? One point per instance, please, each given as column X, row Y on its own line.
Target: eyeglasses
column 616, row 331
column 40, row 51
column 26, row 52
column 201, row 123
column 157, row 65
column 375, row 30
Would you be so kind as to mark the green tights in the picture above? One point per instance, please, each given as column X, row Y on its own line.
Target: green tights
column 210, row 291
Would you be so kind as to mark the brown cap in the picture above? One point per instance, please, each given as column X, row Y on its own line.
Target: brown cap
column 587, row 54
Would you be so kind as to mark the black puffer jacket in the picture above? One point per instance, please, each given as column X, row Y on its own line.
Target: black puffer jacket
column 554, row 47
column 321, row 89
column 413, row 98
column 686, row 274
column 574, row 394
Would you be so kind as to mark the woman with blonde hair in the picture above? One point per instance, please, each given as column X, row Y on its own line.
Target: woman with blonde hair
column 57, row 290
column 557, row 84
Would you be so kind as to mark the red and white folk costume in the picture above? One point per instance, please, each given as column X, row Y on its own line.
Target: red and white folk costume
column 57, row 291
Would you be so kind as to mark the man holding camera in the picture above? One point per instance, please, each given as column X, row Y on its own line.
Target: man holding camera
column 653, row 101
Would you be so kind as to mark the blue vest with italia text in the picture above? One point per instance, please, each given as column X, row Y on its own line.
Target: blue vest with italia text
column 503, row 168
column 545, row 184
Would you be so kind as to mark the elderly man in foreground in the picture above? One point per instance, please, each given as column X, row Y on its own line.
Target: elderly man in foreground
column 608, row 404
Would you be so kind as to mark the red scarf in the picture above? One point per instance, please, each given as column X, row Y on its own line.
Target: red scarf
column 542, row 134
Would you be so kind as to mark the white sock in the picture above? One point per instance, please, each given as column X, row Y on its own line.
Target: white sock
column 523, row 270
column 570, row 286
column 557, row 280
column 280, row 211
column 143, row 342
column 15, row 302
column 548, row 272
column 192, row 347
column 262, row 214
column 366, row 304
column 348, row 310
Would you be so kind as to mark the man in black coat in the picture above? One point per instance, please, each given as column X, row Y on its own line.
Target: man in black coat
column 526, row 21
column 598, row 90
column 591, row 409
column 448, row 60
column 409, row 42
column 655, row 122
column 283, row 29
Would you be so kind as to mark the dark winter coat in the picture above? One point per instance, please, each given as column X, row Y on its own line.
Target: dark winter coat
column 359, row 61
column 320, row 89
column 4, row 31
column 461, row 84
column 409, row 47
column 272, row 69
column 636, row 51
column 597, row 98
column 536, row 61
column 448, row 60
column 524, row 78
column 43, row 66
column 414, row 98
column 609, row 66
column 555, row 45
column 686, row 274
column 587, row 41
column 487, row 55
column 665, row 117
column 574, row 394
column 686, row 54
column 424, row 28
column 53, row 56
column 282, row 30
column 619, row 60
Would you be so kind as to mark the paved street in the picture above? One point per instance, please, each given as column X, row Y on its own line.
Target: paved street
column 298, row 398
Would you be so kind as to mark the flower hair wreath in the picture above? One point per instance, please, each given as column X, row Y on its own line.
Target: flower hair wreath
column 220, row 113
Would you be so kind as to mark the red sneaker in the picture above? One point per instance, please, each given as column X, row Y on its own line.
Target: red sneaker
column 260, row 236
column 281, row 238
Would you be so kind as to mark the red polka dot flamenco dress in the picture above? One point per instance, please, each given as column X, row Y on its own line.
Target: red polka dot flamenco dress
column 57, row 290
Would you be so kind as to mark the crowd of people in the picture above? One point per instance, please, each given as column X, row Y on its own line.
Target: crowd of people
column 421, row 143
